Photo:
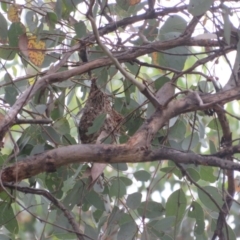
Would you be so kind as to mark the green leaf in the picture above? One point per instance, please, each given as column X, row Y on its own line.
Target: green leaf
column 203, row 86
column 196, row 212
column 124, row 4
column 174, row 23
column 39, row 148
column 173, row 58
column 172, row 169
column 74, row 196
column 193, row 174
column 126, row 218
column 62, row 126
column 126, row 181
column 58, row 9
column 164, row 224
column 177, row 131
column 31, row 19
column 134, row 68
column 117, row 188
column 97, row 123
column 120, row 166
column 176, row 205
column 90, row 232
column 207, row 174
column 127, row 231
column 3, row 29
column 215, row 125
column 52, row 19
column 212, row 147
column 7, row 53
column 207, row 201
column 10, row 94
column 8, row 218
column 134, row 200
column 199, row 7
column 142, row 175
column 115, row 216
column 160, row 81
column 80, row 29
column 190, row 141
column 15, row 31
column 40, row 109
column 227, row 25
column 150, row 209
column 94, row 199
column 4, row 237
column 49, row 134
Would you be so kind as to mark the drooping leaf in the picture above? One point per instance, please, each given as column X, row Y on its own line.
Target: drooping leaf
column 150, row 209
column 142, row 175
column 6, row 52
column 207, row 174
column 176, row 205
column 134, row 200
column 94, row 199
column 190, row 141
column 11, row 94
column 62, row 126
column 197, row 213
column 80, row 29
column 163, row 225
column 31, row 19
column 7, row 218
column 178, row 130
column 15, row 31
column 117, row 188
column 213, row 204
column 127, row 231
column 3, row 29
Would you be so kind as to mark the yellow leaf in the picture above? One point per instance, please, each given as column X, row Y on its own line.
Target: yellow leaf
column 13, row 13
column 134, row 2
column 35, row 53
column 237, row 184
column 155, row 58
column 31, row 81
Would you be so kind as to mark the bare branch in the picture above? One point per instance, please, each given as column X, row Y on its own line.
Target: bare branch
column 52, row 199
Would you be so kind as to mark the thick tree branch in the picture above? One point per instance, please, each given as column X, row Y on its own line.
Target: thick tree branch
column 51, row 160
column 147, row 131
